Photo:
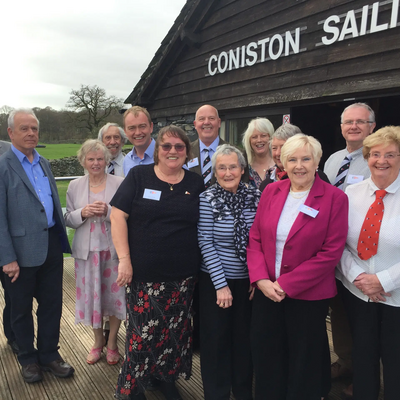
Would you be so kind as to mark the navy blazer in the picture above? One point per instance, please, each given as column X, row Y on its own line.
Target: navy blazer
column 196, row 153
column 23, row 221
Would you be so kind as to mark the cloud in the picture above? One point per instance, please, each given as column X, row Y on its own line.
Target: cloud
column 53, row 49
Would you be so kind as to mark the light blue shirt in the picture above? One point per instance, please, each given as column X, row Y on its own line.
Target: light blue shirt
column 211, row 150
column 39, row 181
column 132, row 159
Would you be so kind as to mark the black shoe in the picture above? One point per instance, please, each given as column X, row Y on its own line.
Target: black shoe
column 58, row 368
column 31, row 373
column 139, row 396
column 169, row 390
column 14, row 346
column 153, row 385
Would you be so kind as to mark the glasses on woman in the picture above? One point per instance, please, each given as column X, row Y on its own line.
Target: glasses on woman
column 168, row 146
column 387, row 156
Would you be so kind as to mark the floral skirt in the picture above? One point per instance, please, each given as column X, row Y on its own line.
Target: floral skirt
column 97, row 293
column 158, row 334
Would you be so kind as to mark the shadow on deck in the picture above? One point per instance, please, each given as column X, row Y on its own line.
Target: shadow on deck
column 90, row 381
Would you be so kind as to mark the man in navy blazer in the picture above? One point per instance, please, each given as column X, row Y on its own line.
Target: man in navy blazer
column 4, row 146
column 33, row 239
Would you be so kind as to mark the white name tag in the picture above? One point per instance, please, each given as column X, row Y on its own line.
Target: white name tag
column 152, row 194
column 194, row 162
column 308, row 210
column 354, row 179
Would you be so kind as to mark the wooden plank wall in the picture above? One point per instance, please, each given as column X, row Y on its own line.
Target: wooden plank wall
column 358, row 65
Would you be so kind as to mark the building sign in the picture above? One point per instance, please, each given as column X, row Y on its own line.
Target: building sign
column 288, row 43
column 286, row 119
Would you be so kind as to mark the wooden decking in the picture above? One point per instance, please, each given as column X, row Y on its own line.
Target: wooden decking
column 90, row 381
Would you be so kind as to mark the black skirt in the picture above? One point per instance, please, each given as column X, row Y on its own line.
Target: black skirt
column 158, row 334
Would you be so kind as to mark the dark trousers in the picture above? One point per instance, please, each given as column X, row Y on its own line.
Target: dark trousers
column 7, row 311
column 376, row 335
column 45, row 284
column 290, row 348
column 341, row 333
column 225, row 341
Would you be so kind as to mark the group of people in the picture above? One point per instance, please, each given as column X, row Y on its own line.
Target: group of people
column 271, row 241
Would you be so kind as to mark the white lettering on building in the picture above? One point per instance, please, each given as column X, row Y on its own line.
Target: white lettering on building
column 355, row 23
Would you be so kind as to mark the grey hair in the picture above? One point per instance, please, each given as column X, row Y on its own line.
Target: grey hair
column 226, row 150
column 360, row 105
column 262, row 125
column 93, row 145
column 11, row 117
column 105, row 128
column 284, row 132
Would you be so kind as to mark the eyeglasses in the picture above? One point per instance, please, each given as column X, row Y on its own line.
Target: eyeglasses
column 168, row 146
column 388, row 156
column 223, row 168
column 358, row 122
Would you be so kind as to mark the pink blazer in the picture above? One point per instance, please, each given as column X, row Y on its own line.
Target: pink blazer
column 313, row 247
column 77, row 198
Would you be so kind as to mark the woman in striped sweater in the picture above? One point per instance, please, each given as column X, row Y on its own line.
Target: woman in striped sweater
column 227, row 211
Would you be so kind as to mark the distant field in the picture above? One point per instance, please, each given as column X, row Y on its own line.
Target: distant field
column 55, row 151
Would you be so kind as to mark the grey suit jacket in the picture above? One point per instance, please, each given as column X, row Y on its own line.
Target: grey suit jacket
column 23, row 221
column 196, row 153
column 4, row 146
column 77, row 198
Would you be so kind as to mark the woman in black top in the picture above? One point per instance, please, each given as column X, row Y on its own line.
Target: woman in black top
column 153, row 223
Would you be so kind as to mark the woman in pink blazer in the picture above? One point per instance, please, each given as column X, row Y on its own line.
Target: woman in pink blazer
column 297, row 239
column 96, row 262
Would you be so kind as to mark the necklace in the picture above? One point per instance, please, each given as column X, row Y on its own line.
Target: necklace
column 299, row 195
column 171, row 185
column 95, row 186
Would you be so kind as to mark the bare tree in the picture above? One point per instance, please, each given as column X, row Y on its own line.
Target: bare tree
column 92, row 106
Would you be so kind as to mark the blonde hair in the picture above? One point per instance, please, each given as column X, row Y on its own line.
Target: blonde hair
column 386, row 135
column 299, row 141
column 262, row 125
column 93, row 145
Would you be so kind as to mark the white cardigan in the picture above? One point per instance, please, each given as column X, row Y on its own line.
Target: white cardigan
column 77, row 199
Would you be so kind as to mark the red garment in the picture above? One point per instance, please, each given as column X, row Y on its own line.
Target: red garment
column 369, row 234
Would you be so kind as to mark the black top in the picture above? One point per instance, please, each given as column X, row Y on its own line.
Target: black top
column 268, row 180
column 162, row 234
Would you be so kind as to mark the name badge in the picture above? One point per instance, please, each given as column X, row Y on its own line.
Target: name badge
column 308, row 211
column 194, row 162
column 354, row 179
column 152, row 194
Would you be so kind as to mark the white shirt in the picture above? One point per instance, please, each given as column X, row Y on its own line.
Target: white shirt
column 289, row 214
column 119, row 165
column 358, row 165
column 386, row 263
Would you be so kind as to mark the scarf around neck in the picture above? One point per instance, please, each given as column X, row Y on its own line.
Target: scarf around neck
column 224, row 203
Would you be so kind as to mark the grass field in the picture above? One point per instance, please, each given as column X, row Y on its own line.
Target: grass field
column 55, row 151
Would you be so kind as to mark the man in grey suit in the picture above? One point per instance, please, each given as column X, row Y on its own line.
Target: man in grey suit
column 33, row 237
column 4, row 146
column 207, row 124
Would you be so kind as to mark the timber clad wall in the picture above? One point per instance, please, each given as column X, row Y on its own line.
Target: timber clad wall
column 353, row 66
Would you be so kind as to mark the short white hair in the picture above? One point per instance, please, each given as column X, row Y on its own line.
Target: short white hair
column 105, row 128
column 13, row 113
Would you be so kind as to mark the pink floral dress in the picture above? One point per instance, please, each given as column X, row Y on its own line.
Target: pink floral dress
column 97, row 293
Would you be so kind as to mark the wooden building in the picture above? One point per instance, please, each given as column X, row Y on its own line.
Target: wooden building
column 297, row 60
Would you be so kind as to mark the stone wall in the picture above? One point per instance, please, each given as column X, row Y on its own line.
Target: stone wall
column 68, row 166
column 184, row 121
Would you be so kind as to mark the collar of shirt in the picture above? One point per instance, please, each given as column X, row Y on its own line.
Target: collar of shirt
column 22, row 157
column 393, row 188
column 119, row 160
column 356, row 154
column 213, row 146
column 147, row 154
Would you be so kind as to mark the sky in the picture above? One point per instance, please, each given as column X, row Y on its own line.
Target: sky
column 50, row 47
